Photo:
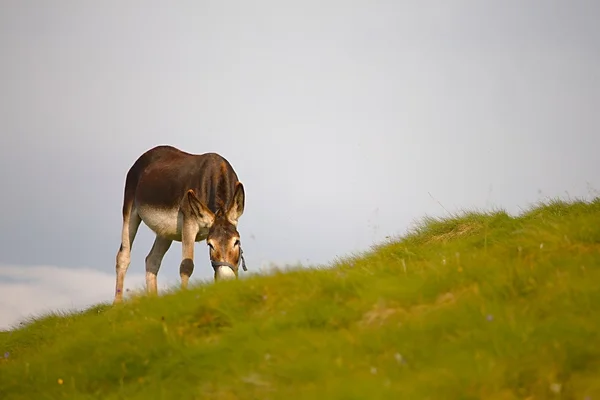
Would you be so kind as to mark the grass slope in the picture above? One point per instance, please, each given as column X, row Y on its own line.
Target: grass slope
column 478, row 306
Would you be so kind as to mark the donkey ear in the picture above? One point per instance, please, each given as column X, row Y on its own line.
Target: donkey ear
column 203, row 214
column 236, row 208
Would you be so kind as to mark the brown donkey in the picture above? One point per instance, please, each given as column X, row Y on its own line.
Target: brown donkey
column 187, row 198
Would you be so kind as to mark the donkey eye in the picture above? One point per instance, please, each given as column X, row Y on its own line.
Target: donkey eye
column 211, row 246
column 237, row 242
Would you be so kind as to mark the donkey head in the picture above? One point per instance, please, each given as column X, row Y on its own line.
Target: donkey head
column 223, row 238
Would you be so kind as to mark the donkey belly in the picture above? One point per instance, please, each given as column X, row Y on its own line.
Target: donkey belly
column 166, row 222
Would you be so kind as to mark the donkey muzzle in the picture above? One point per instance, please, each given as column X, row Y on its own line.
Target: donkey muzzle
column 225, row 270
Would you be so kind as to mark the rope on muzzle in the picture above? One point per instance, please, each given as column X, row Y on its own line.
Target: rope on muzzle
column 216, row 264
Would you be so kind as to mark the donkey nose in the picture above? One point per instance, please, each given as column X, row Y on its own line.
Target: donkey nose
column 224, row 272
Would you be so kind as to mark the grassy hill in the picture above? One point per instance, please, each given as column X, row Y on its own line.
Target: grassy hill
column 477, row 306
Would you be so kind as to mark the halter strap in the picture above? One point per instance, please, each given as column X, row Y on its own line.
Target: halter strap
column 216, row 264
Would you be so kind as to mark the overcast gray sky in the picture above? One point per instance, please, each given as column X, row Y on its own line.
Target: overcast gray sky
column 340, row 117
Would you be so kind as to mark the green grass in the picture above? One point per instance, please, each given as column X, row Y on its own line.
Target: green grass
column 476, row 306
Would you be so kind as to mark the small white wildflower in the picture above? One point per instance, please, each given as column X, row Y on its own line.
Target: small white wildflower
column 541, row 245
column 399, row 358
column 555, row 387
column 373, row 370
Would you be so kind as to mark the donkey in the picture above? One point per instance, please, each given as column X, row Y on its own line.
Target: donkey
column 187, row 198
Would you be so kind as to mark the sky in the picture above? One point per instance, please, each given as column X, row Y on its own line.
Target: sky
column 347, row 121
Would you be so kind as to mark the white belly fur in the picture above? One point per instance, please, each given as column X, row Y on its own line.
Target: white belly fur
column 166, row 223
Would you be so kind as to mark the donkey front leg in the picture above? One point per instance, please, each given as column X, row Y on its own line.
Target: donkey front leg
column 188, row 239
column 153, row 261
column 195, row 215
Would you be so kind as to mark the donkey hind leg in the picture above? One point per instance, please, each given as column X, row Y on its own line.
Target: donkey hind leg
column 131, row 223
column 153, row 261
